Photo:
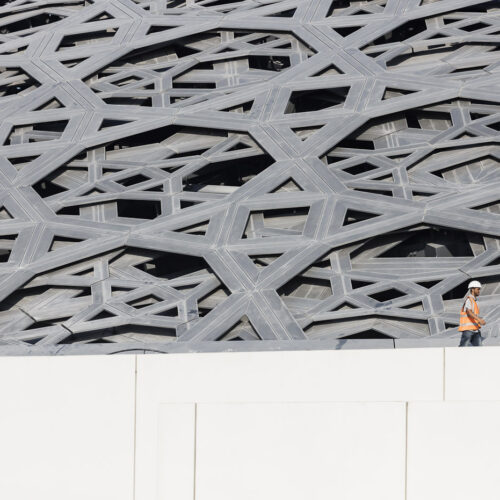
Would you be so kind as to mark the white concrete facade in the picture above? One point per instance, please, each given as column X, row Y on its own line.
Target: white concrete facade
column 407, row 424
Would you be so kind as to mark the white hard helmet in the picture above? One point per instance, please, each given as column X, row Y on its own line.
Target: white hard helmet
column 474, row 284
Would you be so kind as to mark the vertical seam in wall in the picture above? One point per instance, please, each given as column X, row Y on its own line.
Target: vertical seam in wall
column 195, row 446
column 135, row 426
column 406, row 452
column 444, row 374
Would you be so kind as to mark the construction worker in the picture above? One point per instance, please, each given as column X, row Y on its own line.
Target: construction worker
column 470, row 321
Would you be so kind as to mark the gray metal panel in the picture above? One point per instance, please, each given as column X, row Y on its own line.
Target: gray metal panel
column 178, row 174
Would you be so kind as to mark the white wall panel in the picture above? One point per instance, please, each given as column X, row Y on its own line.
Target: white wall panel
column 454, row 451
column 298, row 451
column 67, row 428
column 176, row 452
column 371, row 375
column 473, row 374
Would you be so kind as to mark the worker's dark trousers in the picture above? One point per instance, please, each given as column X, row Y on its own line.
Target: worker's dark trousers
column 471, row 337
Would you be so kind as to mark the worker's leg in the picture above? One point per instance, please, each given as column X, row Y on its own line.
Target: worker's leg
column 477, row 340
column 466, row 338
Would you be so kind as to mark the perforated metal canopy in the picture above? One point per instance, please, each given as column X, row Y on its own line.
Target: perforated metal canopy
column 212, row 175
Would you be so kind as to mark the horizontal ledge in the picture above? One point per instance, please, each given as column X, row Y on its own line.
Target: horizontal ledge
column 227, row 346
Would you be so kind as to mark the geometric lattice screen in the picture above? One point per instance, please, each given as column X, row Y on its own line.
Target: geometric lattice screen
column 177, row 174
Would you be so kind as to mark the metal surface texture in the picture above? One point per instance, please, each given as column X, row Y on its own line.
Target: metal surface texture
column 183, row 174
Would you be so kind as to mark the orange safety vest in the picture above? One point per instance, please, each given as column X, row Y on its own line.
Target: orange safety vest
column 466, row 322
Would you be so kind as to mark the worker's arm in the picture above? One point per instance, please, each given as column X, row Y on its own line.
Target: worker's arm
column 475, row 317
